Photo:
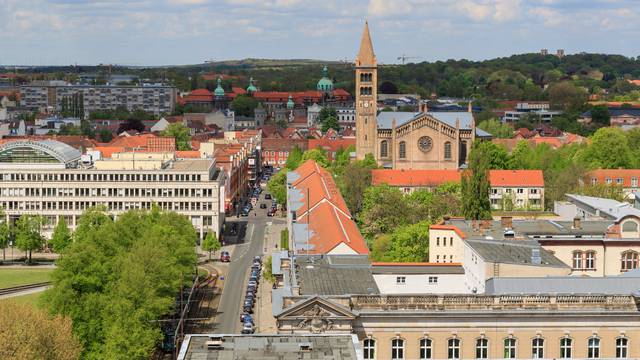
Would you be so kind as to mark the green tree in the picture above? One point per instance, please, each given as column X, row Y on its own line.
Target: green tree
column 277, row 186
column 327, row 112
column 354, row 180
column 27, row 232
column 211, row 243
column 496, row 128
column 119, row 277
column 383, row 210
column 330, row 122
column 244, row 105
column 609, row 149
column 475, row 185
column 105, row 135
column 294, row 159
column 600, row 115
column 61, row 237
column 521, row 157
column 5, row 234
column 179, row 132
column 317, row 155
column 566, row 96
column 608, row 191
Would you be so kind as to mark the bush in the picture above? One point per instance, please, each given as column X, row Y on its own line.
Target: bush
column 284, row 239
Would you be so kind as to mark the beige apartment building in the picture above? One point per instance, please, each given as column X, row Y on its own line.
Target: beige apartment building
column 54, row 180
column 557, row 317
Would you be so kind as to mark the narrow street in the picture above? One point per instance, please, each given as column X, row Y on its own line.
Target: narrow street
column 248, row 243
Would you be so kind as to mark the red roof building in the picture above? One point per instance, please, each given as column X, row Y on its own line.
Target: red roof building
column 331, row 146
column 275, row 151
column 323, row 223
column 626, row 178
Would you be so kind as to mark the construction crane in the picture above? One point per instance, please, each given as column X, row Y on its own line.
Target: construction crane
column 404, row 58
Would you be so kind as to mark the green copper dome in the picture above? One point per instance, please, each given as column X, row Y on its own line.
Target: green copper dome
column 219, row 91
column 290, row 103
column 325, row 84
column 251, row 88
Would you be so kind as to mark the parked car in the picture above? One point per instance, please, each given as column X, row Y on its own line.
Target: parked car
column 263, row 206
column 246, row 318
column 248, row 303
column 225, row 256
column 248, row 309
column 247, row 328
column 254, row 278
column 257, row 259
column 252, row 289
column 267, row 196
column 253, row 283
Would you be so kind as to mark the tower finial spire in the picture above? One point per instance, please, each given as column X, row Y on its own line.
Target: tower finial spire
column 366, row 56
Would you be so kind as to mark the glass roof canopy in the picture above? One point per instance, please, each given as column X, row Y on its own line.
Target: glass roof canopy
column 39, row 152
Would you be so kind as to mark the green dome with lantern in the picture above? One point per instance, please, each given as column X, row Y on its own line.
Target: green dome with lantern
column 325, row 84
column 251, row 88
column 219, row 91
column 290, row 103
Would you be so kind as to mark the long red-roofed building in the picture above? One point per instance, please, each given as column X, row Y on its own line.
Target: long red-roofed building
column 627, row 179
column 510, row 189
column 318, row 219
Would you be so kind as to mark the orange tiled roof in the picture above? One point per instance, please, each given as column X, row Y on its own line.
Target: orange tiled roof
column 108, row 151
column 514, row 178
column 448, row 227
column 188, row 154
column 331, row 222
column 614, row 174
column 419, row 178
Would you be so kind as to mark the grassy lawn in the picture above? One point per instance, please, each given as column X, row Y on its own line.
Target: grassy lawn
column 16, row 277
column 31, row 299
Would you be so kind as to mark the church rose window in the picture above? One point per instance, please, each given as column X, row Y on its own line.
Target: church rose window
column 425, row 143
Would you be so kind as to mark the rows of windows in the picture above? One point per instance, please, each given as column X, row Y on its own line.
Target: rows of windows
column 106, row 192
column 498, row 191
column 368, row 77
column 366, row 90
column 91, row 176
column 111, row 205
column 509, row 348
column 618, row 181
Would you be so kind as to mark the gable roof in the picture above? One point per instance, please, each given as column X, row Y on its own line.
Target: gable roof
column 419, row 178
column 513, row 178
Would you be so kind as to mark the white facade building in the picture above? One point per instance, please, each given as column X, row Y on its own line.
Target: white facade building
column 419, row 278
column 48, row 178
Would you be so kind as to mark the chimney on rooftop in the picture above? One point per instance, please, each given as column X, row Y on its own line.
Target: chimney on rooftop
column 576, row 223
column 506, row 222
column 423, row 107
column 485, row 224
column 535, row 256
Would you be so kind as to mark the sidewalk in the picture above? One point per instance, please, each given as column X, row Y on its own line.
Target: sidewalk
column 266, row 323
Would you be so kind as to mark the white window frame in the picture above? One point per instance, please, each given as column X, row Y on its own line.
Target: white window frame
column 537, row 348
column 482, row 348
column 622, row 350
column 426, row 344
column 593, row 348
column 401, row 280
column 369, row 350
column 397, row 349
column 453, row 348
column 510, row 346
column 566, row 348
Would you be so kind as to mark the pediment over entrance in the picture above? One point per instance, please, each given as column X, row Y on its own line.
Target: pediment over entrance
column 316, row 315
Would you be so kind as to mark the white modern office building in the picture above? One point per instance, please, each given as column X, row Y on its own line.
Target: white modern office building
column 54, row 180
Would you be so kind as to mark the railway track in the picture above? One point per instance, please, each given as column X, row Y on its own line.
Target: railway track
column 21, row 288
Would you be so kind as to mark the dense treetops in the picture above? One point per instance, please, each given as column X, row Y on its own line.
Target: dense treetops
column 118, row 277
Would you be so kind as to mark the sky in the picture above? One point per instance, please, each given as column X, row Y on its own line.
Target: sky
column 175, row 32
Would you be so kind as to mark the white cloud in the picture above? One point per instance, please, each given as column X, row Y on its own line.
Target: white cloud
column 380, row 8
column 549, row 16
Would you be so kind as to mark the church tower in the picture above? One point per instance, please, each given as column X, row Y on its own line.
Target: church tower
column 366, row 97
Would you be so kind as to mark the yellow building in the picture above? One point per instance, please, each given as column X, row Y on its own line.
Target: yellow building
column 407, row 140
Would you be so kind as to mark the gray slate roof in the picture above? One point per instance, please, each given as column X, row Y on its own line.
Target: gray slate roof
column 530, row 228
column 611, row 285
column 513, row 252
column 607, row 208
column 385, row 119
column 416, row 269
column 335, row 275
column 272, row 347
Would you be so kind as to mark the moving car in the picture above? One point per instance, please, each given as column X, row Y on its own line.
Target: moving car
column 267, row 196
column 263, row 206
column 225, row 256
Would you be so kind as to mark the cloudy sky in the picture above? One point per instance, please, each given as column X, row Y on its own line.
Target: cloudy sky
column 158, row 32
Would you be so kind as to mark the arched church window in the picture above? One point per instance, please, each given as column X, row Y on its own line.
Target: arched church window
column 402, row 150
column 384, row 151
column 447, row 150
